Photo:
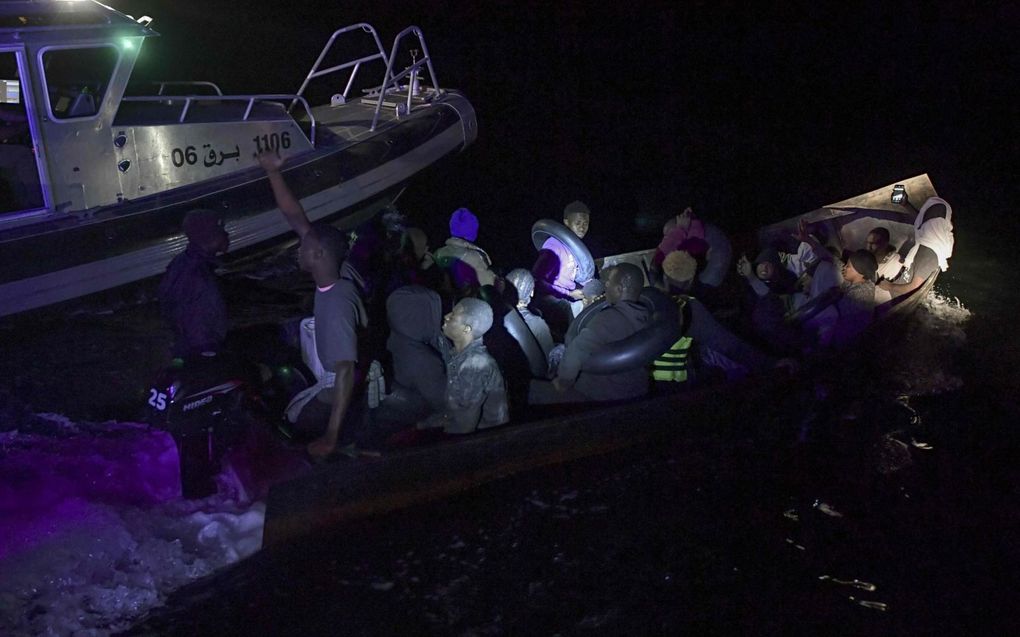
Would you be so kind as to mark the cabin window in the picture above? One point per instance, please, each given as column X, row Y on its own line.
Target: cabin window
column 20, row 188
column 77, row 79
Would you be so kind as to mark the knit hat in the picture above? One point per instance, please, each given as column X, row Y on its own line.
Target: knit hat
column 865, row 263
column 464, row 224
column 576, row 208
column 679, row 266
column 203, row 226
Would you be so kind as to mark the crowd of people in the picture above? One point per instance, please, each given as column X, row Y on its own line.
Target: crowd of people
column 465, row 343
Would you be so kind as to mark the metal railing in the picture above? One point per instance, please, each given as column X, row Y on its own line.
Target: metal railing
column 188, row 100
column 411, row 72
column 163, row 85
column 315, row 72
column 390, row 81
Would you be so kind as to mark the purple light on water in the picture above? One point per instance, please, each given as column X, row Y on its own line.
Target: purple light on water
column 48, row 483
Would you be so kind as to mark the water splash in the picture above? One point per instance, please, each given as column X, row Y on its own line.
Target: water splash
column 93, row 532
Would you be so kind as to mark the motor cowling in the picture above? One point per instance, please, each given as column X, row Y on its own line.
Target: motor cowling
column 198, row 394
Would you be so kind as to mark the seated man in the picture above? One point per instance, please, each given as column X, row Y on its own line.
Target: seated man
column 624, row 315
column 189, row 296
column 475, row 391
column 933, row 246
column 524, row 284
column 339, row 312
column 714, row 346
column 576, row 217
column 468, row 265
column 889, row 264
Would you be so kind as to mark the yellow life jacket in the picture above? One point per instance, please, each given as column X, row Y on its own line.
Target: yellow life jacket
column 673, row 365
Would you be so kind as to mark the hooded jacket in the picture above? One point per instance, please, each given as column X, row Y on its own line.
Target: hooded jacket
column 191, row 302
column 613, row 323
column 417, row 344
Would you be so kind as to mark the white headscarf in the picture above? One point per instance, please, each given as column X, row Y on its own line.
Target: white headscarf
column 937, row 234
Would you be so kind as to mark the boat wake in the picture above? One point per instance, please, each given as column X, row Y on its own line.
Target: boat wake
column 93, row 531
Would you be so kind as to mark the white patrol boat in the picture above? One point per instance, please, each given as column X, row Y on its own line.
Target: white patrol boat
column 94, row 183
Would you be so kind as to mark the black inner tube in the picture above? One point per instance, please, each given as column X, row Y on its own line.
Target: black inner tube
column 640, row 348
column 545, row 228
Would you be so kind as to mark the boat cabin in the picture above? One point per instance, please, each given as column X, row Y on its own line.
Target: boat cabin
column 70, row 140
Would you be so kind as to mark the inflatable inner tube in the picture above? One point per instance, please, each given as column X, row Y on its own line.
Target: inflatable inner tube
column 640, row 348
column 720, row 254
column 518, row 328
column 545, row 228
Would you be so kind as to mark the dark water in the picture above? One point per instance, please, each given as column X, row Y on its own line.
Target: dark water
column 640, row 110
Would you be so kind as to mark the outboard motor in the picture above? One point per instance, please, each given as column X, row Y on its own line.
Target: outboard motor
column 207, row 403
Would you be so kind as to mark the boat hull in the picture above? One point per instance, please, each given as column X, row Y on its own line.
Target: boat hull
column 73, row 255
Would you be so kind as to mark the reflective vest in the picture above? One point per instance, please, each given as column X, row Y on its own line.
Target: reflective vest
column 673, row 365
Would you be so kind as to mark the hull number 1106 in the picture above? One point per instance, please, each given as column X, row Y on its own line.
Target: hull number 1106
column 273, row 142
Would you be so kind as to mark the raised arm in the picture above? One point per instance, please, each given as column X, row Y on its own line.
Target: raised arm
column 285, row 199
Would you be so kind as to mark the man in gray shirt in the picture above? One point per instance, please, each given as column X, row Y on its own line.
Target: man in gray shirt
column 338, row 312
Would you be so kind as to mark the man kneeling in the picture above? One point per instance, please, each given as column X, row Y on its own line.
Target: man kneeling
column 475, row 391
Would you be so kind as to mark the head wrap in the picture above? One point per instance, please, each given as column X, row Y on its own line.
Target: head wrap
column 936, row 233
column 464, row 224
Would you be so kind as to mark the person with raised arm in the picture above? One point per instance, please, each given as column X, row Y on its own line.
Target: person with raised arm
column 338, row 311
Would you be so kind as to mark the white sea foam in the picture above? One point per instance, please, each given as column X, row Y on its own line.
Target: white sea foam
column 93, row 532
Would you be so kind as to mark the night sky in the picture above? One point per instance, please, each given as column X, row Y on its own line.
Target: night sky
column 751, row 115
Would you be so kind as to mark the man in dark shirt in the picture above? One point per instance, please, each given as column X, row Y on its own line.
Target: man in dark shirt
column 189, row 295
column 624, row 315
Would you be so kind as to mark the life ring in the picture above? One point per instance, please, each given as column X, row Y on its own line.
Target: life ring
column 546, row 228
column 640, row 348
column 518, row 328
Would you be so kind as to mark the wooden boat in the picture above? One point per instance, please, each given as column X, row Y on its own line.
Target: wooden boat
column 345, row 491
column 94, row 183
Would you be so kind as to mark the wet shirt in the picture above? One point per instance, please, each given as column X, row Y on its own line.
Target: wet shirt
column 191, row 302
column 475, row 391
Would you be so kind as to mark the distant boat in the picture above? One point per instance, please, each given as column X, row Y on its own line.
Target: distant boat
column 94, row 184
